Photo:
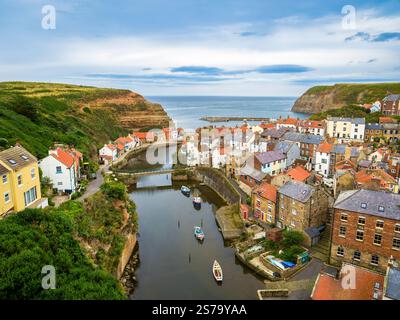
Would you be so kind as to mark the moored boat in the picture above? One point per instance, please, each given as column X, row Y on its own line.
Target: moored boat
column 185, row 190
column 196, row 200
column 198, row 233
column 217, row 271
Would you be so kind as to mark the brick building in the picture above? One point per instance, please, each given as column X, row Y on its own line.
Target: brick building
column 264, row 203
column 366, row 229
column 301, row 206
column 391, row 105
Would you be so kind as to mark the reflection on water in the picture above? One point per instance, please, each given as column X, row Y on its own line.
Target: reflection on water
column 173, row 264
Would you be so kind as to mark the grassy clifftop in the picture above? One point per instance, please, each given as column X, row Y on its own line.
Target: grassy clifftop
column 322, row 98
column 39, row 114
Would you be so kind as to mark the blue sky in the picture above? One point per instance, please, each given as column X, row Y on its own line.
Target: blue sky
column 201, row 47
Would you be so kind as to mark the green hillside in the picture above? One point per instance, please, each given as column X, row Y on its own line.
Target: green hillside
column 323, row 98
column 38, row 114
column 350, row 93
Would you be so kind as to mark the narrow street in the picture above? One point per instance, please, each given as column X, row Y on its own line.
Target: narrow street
column 95, row 184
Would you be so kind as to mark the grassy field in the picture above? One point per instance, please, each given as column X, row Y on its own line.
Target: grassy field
column 39, row 114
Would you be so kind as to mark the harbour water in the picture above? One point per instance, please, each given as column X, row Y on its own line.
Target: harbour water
column 173, row 264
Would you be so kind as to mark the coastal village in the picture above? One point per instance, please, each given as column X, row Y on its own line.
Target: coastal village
column 311, row 194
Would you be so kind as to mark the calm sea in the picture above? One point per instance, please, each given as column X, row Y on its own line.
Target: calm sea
column 186, row 111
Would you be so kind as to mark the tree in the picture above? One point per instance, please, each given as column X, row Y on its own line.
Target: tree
column 292, row 238
column 34, row 238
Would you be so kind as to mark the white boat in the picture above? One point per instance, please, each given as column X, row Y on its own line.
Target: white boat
column 198, row 233
column 217, row 271
column 196, row 200
column 185, row 189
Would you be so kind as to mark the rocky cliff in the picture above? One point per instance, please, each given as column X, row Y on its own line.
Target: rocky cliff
column 133, row 111
column 322, row 98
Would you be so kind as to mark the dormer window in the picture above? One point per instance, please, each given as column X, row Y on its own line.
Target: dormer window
column 381, row 209
column 13, row 162
column 363, row 205
column 24, row 157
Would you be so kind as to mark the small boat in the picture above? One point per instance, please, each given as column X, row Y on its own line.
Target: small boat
column 198, row 233
column 217, row 271
column 185, row 190
column 196, row 200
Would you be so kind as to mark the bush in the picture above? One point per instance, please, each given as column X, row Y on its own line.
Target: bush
column 292, row 238
column 290, row 254
column 114, row 190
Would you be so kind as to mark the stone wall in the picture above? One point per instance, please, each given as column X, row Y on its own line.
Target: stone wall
column 217, row 181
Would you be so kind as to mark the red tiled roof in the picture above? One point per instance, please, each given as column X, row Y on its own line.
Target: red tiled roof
column 298, row 173
column 329, row 288
column 267, row 191
column 366, row 175
column 345, row 164
column 111, row 146
column 144, row 135
column 64, row 157
column 387, row 120
column 291, row 121
column 325, row 147
column 267, row 125
column 312, row 124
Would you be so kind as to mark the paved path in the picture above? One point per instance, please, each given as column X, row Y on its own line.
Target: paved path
column 95, row 184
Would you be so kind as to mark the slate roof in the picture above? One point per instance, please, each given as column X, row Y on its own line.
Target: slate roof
column 283, row 146
column 303, row 137
column 251, row 172
column 269, row 156
column 373, row 126
column 16, row 157
column 339, row 148
column 274, row 133
column 393, row 284
column 392, row 97
column 364, row 163
column 352, row 120
column 297, row 190
column 351, row 201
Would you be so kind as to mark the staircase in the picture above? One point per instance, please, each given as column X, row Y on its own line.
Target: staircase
column 321, row 250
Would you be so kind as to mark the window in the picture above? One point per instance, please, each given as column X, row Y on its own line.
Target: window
column 24, row 157
column 33, row 174
column 374, row 259
column 12, row 162
column 378, row 239
column 58, row 169
column 360, row 235
column 292, row 223
column 397, row 228
column 396, row 243
column 19, row 178
column 342, row 231
column 379, row 224
column 258, row 202
column 343, row 217
column 4, row 178
column 294, row 212
column 340, row 251
column 30, row 196
column 6, row 197
column 363, row 205
column 361, row 220
column 59, row 183
column 357, row 255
